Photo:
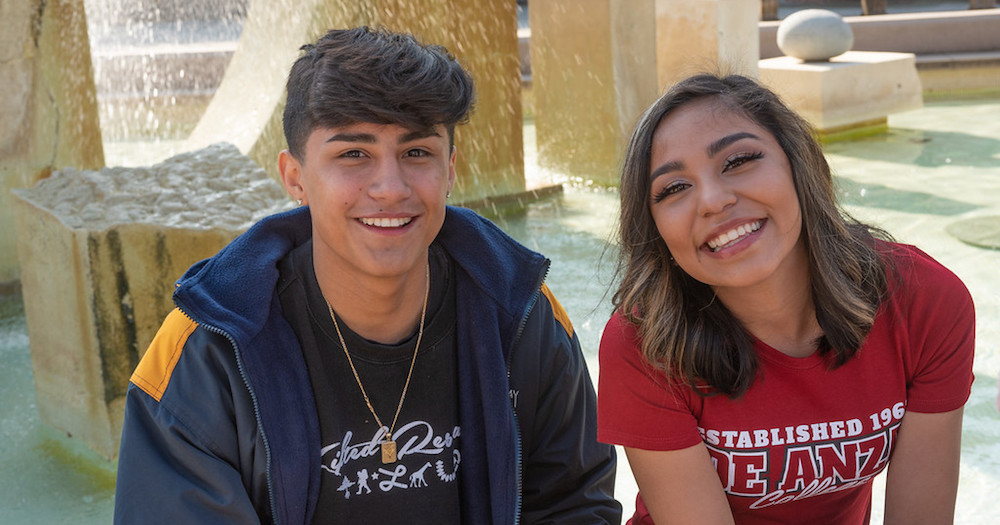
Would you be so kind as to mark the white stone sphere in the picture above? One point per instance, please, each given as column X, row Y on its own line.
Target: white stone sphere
column 814, row 35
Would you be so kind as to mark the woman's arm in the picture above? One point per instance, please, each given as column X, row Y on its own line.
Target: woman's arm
column 922, row 481
column 680, row 486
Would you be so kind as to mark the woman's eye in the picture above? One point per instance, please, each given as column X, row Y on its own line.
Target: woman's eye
column 739, row 159
column 669, row 190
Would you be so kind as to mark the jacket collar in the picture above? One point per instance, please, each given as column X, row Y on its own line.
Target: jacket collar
column 232, row 290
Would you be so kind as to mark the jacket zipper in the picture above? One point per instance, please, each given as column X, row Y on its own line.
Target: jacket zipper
column 256, row 408
column 517, row 425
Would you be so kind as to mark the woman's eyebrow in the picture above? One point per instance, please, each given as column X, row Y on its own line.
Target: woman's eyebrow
column 714, row 148
column 665, row 168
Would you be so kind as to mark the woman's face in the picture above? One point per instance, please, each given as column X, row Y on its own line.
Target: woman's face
column 722, row 197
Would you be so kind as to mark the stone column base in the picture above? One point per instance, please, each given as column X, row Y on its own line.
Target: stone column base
column 853, row 89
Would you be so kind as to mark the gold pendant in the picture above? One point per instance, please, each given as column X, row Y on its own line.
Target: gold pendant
column 388, row 452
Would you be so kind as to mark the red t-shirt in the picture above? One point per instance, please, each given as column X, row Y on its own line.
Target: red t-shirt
column 803, row 444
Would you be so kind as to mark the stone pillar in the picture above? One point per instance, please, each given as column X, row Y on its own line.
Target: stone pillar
column 708, row 35
column 590, row 85
column 769, row 9
column 873, row 7
column 49, row 103
column 482, row 34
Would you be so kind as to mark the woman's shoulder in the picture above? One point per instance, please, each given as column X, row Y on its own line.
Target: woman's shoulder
column 620, row 333
column 916, row 276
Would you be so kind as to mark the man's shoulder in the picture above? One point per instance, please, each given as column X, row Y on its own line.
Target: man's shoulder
column 180, row 344
column 156, row 367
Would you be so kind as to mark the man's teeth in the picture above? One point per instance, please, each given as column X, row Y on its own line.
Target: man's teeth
column 386, row 223
column 731, row 236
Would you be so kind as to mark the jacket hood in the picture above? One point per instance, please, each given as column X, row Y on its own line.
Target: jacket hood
column 233, row 289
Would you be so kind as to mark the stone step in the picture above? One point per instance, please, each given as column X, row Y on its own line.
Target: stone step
column 162, row 69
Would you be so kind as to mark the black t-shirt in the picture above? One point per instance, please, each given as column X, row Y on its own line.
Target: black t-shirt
column 422, row 486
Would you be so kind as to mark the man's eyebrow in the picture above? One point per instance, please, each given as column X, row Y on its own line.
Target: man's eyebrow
column 717, row 146
column 366, row 138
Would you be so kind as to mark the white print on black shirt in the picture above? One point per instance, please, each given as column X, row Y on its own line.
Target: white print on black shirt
column 413, row 439
column 809, row 460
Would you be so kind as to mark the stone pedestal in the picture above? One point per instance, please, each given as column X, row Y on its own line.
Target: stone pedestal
column 855, row 90
column 482, row 34
column 97, row 278
column 598, row 64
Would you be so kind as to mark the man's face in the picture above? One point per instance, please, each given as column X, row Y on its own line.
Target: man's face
column 376, row 194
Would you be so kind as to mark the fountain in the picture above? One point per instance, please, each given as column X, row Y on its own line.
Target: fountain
column 837, row 90
column 117, row 239
column 49, row 104
column 930, row 171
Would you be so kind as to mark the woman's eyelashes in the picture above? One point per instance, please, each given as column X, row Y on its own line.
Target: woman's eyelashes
column 669, row 190
column 738, row 159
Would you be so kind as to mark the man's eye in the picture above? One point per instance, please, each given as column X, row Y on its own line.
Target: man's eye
column 739, row 159
column 353, row 154
column 418, row 153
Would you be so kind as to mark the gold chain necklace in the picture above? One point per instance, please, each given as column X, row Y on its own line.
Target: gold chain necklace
column 388, row 446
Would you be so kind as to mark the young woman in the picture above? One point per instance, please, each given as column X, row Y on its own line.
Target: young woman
column 769, row 355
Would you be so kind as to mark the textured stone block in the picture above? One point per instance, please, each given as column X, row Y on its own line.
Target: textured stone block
column 100, row 252
column 852, row 89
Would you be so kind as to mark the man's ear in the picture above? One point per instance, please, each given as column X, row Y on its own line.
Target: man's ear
column 451, row 169
column 291, row 175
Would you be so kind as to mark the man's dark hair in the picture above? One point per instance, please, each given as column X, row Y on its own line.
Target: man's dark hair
column 373, row 75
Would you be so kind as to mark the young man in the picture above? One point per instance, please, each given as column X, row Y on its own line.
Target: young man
column 372, row 356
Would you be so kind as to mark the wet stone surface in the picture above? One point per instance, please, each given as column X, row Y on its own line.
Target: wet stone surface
column 214, row 187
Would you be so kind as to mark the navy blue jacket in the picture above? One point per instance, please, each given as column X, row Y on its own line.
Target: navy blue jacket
column 220, row 421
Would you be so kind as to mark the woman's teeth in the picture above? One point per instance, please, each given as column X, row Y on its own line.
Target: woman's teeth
column 733, row 236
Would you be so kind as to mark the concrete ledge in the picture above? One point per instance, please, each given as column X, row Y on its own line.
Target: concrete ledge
column 972, row 31
column 179, row 69
column 956, row 51
column 502, row 205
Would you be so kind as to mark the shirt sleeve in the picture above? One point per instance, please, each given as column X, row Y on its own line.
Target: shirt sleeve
column 637, row 406
column 941, row 331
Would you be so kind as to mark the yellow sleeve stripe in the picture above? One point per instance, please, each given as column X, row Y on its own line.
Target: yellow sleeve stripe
column 557, row 310
column 153, row 373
